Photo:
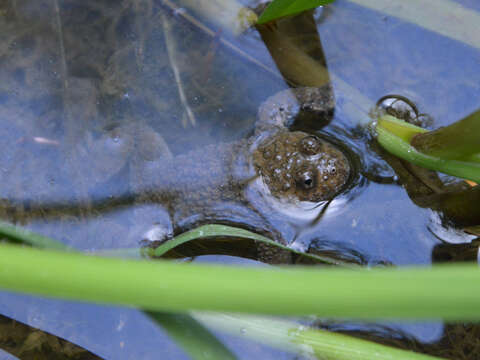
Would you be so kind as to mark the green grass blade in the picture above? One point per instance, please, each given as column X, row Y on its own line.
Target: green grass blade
column 166, row 286
column 20, row 235
column 396, row 142
column 196, row 340
column 215, row 230
column 298, row 339
column 281, row 8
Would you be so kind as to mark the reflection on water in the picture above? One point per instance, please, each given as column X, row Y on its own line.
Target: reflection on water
column 114, row 118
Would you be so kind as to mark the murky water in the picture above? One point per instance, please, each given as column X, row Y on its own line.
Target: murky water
column 97, row 96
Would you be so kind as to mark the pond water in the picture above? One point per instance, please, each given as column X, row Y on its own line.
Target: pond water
column 117, row 117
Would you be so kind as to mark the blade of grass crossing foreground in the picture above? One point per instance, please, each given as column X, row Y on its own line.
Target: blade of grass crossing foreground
column 298, row 339
column 196, row 340
column 200, row 344
column 173, row 287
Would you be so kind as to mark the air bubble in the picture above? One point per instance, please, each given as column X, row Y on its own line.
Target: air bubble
column 398, row 106
column 310, row 145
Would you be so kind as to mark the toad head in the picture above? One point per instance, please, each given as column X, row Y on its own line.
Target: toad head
column 297, row 165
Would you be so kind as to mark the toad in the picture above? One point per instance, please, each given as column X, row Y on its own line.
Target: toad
column 244, row 182
column 229, row 182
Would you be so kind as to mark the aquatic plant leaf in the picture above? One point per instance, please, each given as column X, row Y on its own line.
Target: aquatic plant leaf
column 460, row 140
column 410, row 293
column 20, row 235
column 292, row 337
column 230, row 236
column 194, row 338
column 394, row 135
column 281, row 8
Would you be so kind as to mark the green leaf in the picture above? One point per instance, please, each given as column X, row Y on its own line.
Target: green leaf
column 410, row 293
column 292, row 337
column 281, row 8
column 457, row 141
column 194, row 338
column 233, row 236
column 20, row 235
column 394, row 135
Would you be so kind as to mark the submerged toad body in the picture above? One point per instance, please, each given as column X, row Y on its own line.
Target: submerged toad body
column 256, row 182
column 234, row 182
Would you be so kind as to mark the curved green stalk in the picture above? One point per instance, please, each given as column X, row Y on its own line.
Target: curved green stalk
column 166, row 286
column 215, row 230
column 394, row 135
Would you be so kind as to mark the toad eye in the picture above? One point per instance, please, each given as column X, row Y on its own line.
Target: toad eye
column 310, row 145
column 306, row 180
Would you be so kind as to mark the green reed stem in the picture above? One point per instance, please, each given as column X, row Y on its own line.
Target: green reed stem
column 161, row 285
